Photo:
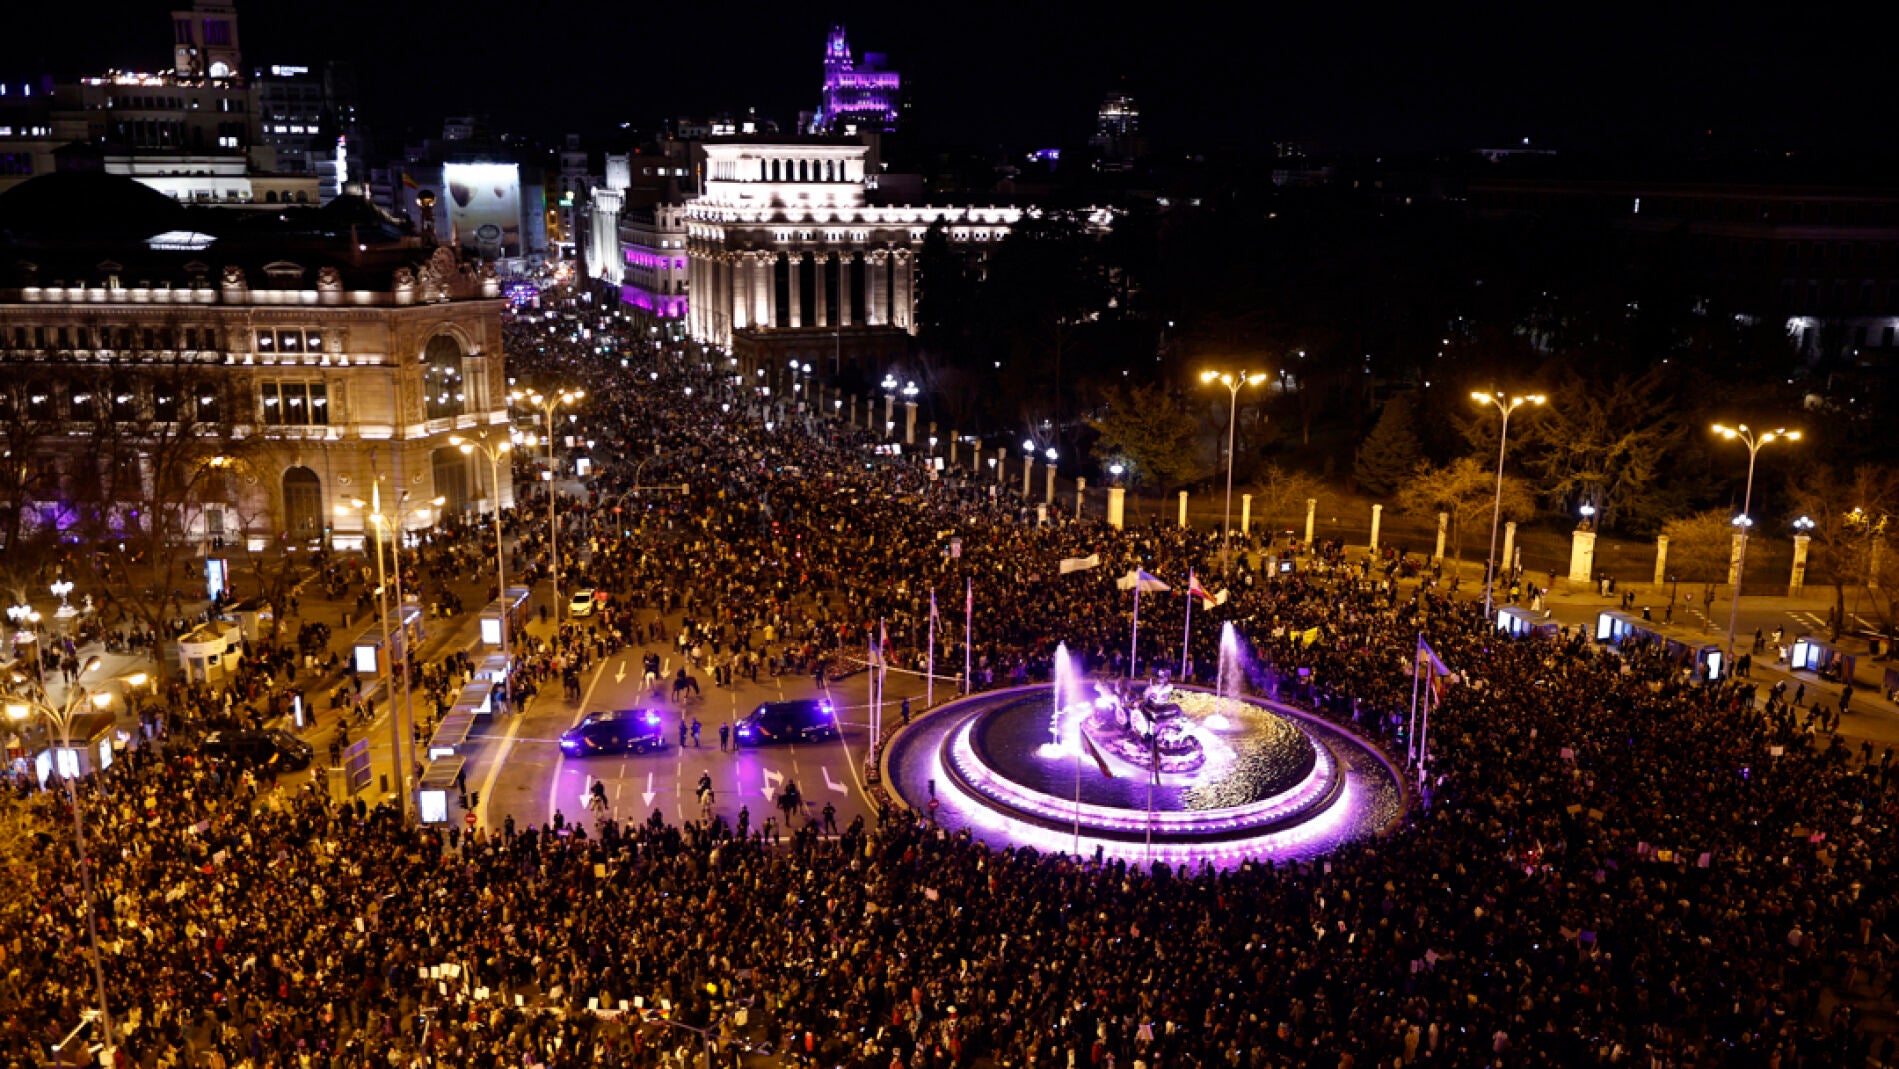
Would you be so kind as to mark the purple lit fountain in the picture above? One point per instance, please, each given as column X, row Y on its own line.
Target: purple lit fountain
column 1145, row 769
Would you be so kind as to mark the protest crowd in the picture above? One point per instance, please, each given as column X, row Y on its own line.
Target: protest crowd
column 1611, row 864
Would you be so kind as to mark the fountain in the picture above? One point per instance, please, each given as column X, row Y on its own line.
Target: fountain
column 1146, row 768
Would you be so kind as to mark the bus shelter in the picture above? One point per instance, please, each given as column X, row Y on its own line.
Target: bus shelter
column 513, row 604
column 438, row 782
column 1522, row 623
column 1616, row 628
column 1822, row 658
column 367, row 656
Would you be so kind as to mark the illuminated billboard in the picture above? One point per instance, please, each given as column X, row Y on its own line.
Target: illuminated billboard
column 484, row 206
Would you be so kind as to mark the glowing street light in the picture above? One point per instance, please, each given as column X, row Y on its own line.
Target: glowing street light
column 1233, row 383
column 1491, row 565
column 1754, row 441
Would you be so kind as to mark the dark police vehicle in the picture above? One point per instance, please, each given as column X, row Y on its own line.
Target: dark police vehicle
column 260, row 749
column 616, row 731
column 806, row 720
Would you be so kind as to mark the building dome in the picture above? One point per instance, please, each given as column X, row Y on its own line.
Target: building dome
column 69, row 207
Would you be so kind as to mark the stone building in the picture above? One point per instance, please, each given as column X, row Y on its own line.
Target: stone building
column 338, row 348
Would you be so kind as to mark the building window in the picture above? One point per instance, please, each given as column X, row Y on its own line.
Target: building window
column 442, row 378
column 295, row 404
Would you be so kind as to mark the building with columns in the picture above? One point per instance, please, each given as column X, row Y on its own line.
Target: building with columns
column 791, row 254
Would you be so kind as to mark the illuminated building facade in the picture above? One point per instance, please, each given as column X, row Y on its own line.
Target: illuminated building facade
column 785, row 248
column 859, row 96
column 337, row 347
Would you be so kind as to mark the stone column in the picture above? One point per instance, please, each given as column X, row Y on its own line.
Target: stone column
column 1041, row 515
column 1081, row 492
column 746, row 273
column 909, row 420
column 821, row 306
column 1799, row 581
column 1582, row 556
column 1048, row 496
column 1661, row 559
column 1377, row 514
column 1183, row 508
column 771, row 289
column 1028, row 474
column 1246, row 515
column 905, row 292
column 1117, row 507
column 797, row 303
column 1443, row 532
column 844, row 291
column 975, row 458
column 696, row 300
column 1312, row 514
column 761, row 290
column 1509, row 549
column 952, row 447
column 875, row 314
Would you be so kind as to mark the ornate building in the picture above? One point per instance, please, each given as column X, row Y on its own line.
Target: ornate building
column 788, row 253
column 323, row 354
column 859, row 97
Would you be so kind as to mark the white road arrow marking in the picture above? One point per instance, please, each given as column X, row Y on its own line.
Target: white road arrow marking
column 649, row 793
column 831, row 783
column 620, row 676
column 772, row 780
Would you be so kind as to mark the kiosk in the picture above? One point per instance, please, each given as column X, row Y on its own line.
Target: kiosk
column 91, row 751
column 1823, row 659
column 1522, row 623
column 209, row 652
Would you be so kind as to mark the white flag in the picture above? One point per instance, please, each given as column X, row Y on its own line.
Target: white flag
column 1080, row 564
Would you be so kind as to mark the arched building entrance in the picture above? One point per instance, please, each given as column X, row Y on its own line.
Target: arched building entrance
column 303, row 504
column 451, row 478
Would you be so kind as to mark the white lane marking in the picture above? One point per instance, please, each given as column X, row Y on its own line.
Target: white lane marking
column 773, row 778
column 648, row 795
column 494, row 769
column 560, row 759
column 831, row 783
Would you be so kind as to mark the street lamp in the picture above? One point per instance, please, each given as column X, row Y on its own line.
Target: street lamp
column 372, row 513
column 493, row 453
column 1754, row 441
column 1496, row 507
column 1233, row 383
column 547, row 404
column 25, row 698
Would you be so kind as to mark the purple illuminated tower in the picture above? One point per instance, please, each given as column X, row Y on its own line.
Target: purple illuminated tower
column 857, row 96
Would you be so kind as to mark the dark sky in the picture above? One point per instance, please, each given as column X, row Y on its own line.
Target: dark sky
column 1029, row 72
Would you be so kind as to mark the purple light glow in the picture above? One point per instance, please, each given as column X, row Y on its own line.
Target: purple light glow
column 855, row 92
column 642, row 258
column 663, row 305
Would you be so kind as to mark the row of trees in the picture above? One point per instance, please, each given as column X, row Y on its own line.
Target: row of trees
column 113, row 496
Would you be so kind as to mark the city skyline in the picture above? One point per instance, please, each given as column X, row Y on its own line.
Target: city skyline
column 1596, row 82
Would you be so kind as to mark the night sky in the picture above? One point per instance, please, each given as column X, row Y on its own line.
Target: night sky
column 1029, row 73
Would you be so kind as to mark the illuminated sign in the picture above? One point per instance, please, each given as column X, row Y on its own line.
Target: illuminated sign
column 484, row 202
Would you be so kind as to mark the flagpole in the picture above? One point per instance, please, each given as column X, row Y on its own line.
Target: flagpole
column 1187, row 635
column 1134, row 640
column 969, row 632
column 1417, row 675
column 1424, row 733
column 929, row 685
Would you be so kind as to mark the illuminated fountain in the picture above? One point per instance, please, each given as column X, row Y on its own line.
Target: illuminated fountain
column 1145, row 769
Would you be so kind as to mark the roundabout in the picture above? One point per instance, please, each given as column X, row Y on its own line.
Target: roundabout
column 1144, row 770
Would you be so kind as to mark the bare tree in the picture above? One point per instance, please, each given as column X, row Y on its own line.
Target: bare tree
column 1282, row 494
column 156, row 439
column 1851, row 516
column 1465, row 489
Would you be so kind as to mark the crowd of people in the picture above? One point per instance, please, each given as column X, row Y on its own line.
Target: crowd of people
column 1618, row 865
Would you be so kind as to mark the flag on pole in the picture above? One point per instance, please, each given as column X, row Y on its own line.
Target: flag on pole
column 1141, row 581
column 932, row 603
column 1207, row 601
column 1436, row 672
column 1080, row 564
column 1088, row 744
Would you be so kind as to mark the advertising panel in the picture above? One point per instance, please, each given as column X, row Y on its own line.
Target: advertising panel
column 484, row 205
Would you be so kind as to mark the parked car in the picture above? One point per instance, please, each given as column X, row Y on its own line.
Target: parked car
column 583, row 603
column 260, row 749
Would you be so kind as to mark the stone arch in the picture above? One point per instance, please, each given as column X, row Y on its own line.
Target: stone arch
column 442, row 385
column 303, row 504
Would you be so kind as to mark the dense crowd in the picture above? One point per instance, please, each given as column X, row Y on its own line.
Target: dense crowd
column 1618, row 865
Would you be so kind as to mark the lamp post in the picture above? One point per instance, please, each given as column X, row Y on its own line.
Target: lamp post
column 1052, row 456
column 1028, row 467
column 373, row 514
column 1496, row 507
column 547, row 405
column 493, row 453
column 24, row 699
column 1233, row 383
column 1754, row 441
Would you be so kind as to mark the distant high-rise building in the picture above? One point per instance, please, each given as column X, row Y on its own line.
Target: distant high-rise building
column 859, row 97
column 204, row 41
column 1117, row 130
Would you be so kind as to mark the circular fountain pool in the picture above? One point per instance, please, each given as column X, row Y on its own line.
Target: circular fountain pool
column 1240, row 777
